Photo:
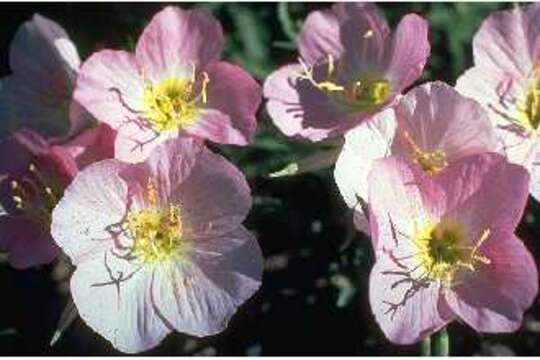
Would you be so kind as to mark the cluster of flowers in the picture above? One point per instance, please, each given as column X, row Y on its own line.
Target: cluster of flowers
column 439, row 177
column 108, row 163
column 150, row 217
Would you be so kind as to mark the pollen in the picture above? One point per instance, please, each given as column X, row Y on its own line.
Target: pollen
column 366, row 93
column 174, row 103
column 444, row 249
column 156, row 231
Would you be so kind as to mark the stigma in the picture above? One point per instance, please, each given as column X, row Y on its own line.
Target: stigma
column 174, row 103
column 156, row 230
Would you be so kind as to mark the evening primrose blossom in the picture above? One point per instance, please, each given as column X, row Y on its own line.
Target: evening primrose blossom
column 174, row 85
column 432, row 125
column 350, row 68
column 506, row 80
column 445, row 247
column 160, row 245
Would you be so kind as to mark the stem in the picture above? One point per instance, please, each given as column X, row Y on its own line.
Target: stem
column 441, row 343
column 425, row 347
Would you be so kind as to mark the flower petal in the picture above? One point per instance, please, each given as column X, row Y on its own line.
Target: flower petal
column 233, row 92
column 509, row 40
column 172, row 162
column 340, row 30
column 408, row 52
column 115, row 299
column 297, row 108
column 200, row 297
column 110, row 87
column 396, row 201
column 215, row 198
column 92, row 145
column 27, row 242
column 493, row 298
column 177, row 39
column 364, row 144
column 217, row 127
column 406, row 311
column 438, row 118
column 484, row 191
column 95, row 200
column 44, row 62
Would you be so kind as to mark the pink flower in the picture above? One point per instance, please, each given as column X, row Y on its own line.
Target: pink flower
column 33, row 175
column 446, row 247
column 159, row 246
column 350, row 69
column 173, row 85
column 44, row 62
column 506, row 80
column 433, row 125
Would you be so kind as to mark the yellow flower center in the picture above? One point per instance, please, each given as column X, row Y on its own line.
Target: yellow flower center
column 366, row 93
column 174, row 103
column 443, row 249
column 431, row 162
column 157, row 232
column 529, row 108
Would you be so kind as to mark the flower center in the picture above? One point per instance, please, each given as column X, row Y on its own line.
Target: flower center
column 366, row 93
column 532, row 105
column 443, row 249
column 431, row 162
column 174, row 103
column 157, row 232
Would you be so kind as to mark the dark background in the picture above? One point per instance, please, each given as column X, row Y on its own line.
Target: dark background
column 314, row 299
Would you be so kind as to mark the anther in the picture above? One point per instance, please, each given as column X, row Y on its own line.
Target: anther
column 205, row 82
column 368, row 34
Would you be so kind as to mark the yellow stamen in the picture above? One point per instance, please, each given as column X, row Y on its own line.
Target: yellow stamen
column 364, row 94
column 157, row 232
column 174, row 103
column 431, row 162
column 443, row 249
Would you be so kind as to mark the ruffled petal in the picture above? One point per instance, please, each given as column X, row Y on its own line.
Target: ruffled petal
column 399, row 197
column 408, row 52
column 199, row 297
column 235, row 94
column 115, row 299
column 438, row 118
column 44, row 62
column 485, row 192
column 111, row 88
column 95, row 201
column 406, row 310
column 215, row 198
column 298, row 108
column 28, row 243
column 494, row 297
column 175, row 40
